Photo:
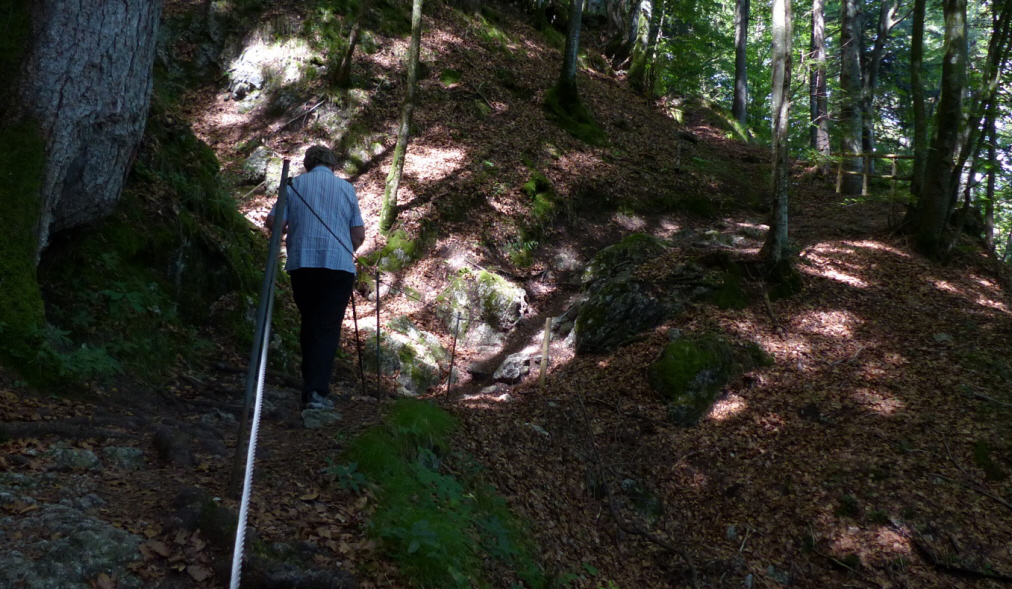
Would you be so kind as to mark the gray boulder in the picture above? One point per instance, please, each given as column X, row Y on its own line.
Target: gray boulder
column 514, row 368
column 415, row 357
column 619, row 303
column 482, row 297
column 58, row 547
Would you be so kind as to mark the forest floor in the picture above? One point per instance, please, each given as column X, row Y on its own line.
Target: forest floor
column 873, row 452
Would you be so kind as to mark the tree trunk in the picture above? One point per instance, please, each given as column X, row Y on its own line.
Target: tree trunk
column 886, row 21
column 566, row 87
column 639, row 64
column 997, row 56
column 819, row 100
column 917, row 96
column 656, row 31
column 850, row 87
column 775, row 248
column 343, row 77
column 935, row 190
column 992, row 171
column 388, row 213
column 740, row 102
column 87, row 84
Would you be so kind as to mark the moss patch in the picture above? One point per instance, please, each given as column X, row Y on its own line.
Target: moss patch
column 690, row 373
column 442, row 528
column 575, row 119
column 22, row 163
column 399, row 251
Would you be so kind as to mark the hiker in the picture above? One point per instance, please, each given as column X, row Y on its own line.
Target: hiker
column 324, row 229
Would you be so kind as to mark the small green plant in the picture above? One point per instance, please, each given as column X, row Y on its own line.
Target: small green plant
column 347, row 476
column 441, row 525
column 848, row 507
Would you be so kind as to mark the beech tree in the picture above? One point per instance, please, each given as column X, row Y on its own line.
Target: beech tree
column 818, row 96
column 775, row 248
column 388, row 213
column 566, row 86
column 917, row 97
column 935, row 190
column 740, row 102
column 851, row 87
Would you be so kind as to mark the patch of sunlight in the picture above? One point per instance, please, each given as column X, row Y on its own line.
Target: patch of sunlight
column 726, row 408
column 494, row 402
column 945, row 286
column 872, row 545
column 629, row 222
column 431, row 164
column 838, row 324
column 878, row 402
column 833, row 274
column 992, row 304
column 281, row 61
column 876, row 245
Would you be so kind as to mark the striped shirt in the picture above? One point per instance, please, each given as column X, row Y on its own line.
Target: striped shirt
column 310, row 244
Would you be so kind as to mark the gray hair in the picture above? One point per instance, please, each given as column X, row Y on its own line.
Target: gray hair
column 317, row 155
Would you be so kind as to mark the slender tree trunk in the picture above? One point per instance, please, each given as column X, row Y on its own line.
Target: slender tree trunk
column 775, row 248
column 566, row 87
column 388, row 214
column 917, row 97
column 935, row 192
column 992, row 171
column 343, row 77
column 850, row 87
column 740, row 103
column 819, row 100
column 886, row 21
column 997, row 56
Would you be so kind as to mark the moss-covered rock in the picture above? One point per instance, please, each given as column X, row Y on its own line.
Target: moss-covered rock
column 411, row 355
column 399, row 251
column 619, row 304
column 691, row 371
column 482, row 297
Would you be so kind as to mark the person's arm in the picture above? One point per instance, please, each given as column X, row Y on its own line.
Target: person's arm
column 357, row 237
column 269, row 223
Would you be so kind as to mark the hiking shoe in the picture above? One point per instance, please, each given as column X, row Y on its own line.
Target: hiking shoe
column 317, row 401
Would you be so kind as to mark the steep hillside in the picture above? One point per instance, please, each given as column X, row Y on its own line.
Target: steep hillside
column 861, row 440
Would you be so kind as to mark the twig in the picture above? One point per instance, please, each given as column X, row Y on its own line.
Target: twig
column 303, row 114
column 953, row 568
column 478, row 92
column 980, row 490
column 769, row 309
column 953, row 460
column 748, row 531
column 984, row 397
column 243, row 197
column 630, row 528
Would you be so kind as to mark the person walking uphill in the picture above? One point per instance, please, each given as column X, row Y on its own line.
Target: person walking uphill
column 324, row 229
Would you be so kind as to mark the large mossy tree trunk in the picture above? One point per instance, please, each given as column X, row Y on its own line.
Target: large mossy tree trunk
column 740, row 103
column 935, row 189
column 640, row 61
column 818, row 93
column 388, row 213
column 86, row 81
column 775, row 248
column 851, row 87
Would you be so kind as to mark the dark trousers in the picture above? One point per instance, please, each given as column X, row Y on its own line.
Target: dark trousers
column 321, row 294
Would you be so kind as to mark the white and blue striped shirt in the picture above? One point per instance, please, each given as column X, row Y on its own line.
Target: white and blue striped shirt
column 310, row 244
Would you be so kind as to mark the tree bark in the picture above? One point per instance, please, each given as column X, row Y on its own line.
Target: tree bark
column 639, row 64
column 656, row 31
column 775, row 247
column 997, row 56
column 886, row 21
column 939, row 168
column 343, row 77
column 87, row 84
column 819, row 100
column 917, row 97
column 566, row 87
column 740, row 103
column 850, row 87
column 388, row 213
column 992, row 171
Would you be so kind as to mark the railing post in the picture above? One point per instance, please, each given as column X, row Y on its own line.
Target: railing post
column 866, row 173
column 893, row 174
column 839, row 174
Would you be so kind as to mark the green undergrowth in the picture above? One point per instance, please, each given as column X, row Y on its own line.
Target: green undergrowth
column 434, row 516
column 575, row 119
column 137, row 289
